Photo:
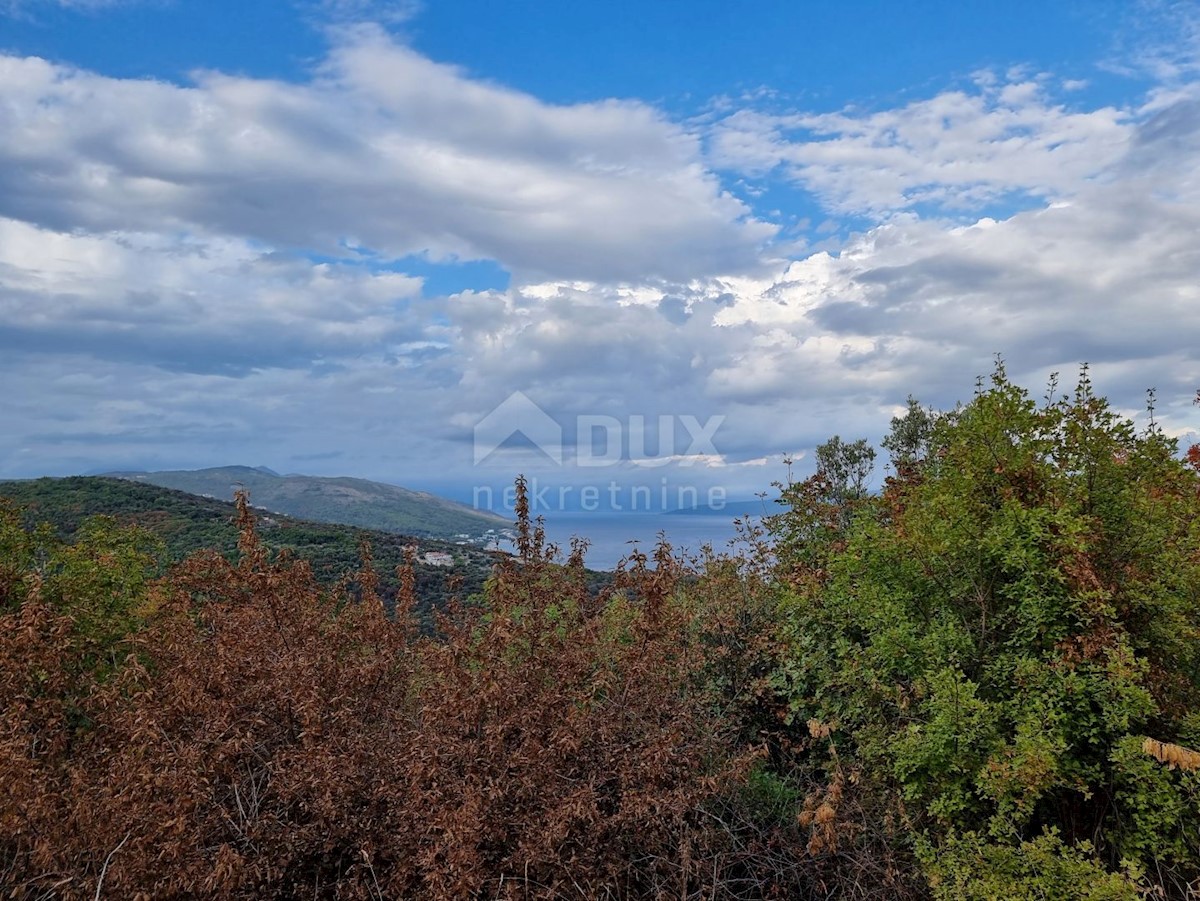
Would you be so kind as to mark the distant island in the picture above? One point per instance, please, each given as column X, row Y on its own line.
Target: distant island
column 730, row 510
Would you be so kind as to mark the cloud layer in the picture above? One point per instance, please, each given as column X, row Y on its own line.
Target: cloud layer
column 959, row 149
column 383, row 153
column 215, row 272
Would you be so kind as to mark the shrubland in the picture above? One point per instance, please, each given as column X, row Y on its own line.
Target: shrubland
column 185, row 523
column 981, row 680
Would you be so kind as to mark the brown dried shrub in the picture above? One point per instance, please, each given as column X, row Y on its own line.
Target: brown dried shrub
column 1174, row 756
column 267, row 738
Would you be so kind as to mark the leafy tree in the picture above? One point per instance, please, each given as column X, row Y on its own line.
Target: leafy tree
column 100, row 579
column 846, row 468
column 908, row 441
column 995, row 634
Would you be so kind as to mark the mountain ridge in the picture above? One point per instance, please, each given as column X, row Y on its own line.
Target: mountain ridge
column 187, row 523
column 345, row 500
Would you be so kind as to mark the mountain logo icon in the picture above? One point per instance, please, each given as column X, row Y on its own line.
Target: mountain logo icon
column 518, row 415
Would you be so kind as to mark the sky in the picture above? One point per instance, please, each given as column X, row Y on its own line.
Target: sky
column 352, row 237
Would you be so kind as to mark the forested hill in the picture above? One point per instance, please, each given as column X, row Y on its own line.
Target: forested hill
column 186, row 523
column 353, row 502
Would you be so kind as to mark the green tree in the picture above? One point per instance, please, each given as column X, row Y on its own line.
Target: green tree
column 908, row 442
column 847, row 467
column 997, row 631
column 100, row 579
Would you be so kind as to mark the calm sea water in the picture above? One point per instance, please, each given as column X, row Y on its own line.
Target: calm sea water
column 613, row 535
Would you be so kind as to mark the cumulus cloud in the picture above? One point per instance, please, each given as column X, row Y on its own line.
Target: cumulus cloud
column 208, row 273
column 957, row 150
column 193, row 303
column 1105, row 273
column 189, row 268
column 384, row 152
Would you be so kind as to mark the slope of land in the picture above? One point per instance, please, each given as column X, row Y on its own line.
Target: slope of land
column 187, row 523
column 352, row 502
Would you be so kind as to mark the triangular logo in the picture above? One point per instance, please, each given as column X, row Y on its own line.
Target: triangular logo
column 518, row 415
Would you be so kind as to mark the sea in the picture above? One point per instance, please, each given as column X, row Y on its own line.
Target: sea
column 612, row 536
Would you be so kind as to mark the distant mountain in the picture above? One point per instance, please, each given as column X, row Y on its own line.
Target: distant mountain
column 186, row 523
column 353, row 502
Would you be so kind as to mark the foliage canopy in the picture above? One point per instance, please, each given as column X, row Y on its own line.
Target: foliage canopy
column 997, row 632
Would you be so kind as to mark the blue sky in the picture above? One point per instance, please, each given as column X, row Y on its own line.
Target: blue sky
column 677, row 54
column 332, row 236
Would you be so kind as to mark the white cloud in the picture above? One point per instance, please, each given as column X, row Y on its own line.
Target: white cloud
column 1159, row 38
column 384, row 150
column 161, row 302
column 835, row 340
column 191, row 303
column 956, row 150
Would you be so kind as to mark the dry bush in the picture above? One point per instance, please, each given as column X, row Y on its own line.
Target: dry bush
column 267, row 738
column 1174, row 756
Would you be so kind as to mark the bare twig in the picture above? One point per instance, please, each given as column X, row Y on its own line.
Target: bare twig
column 107, row 861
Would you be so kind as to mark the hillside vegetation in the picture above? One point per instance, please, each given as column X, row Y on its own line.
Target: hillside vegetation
column 353, row 502
column 982, row 682
column 186, row 523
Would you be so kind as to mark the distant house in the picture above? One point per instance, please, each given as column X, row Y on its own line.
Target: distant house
column 438, row 558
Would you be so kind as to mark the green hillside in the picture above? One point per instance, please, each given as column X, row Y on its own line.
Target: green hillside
column 186, row 523
column 353, row 502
